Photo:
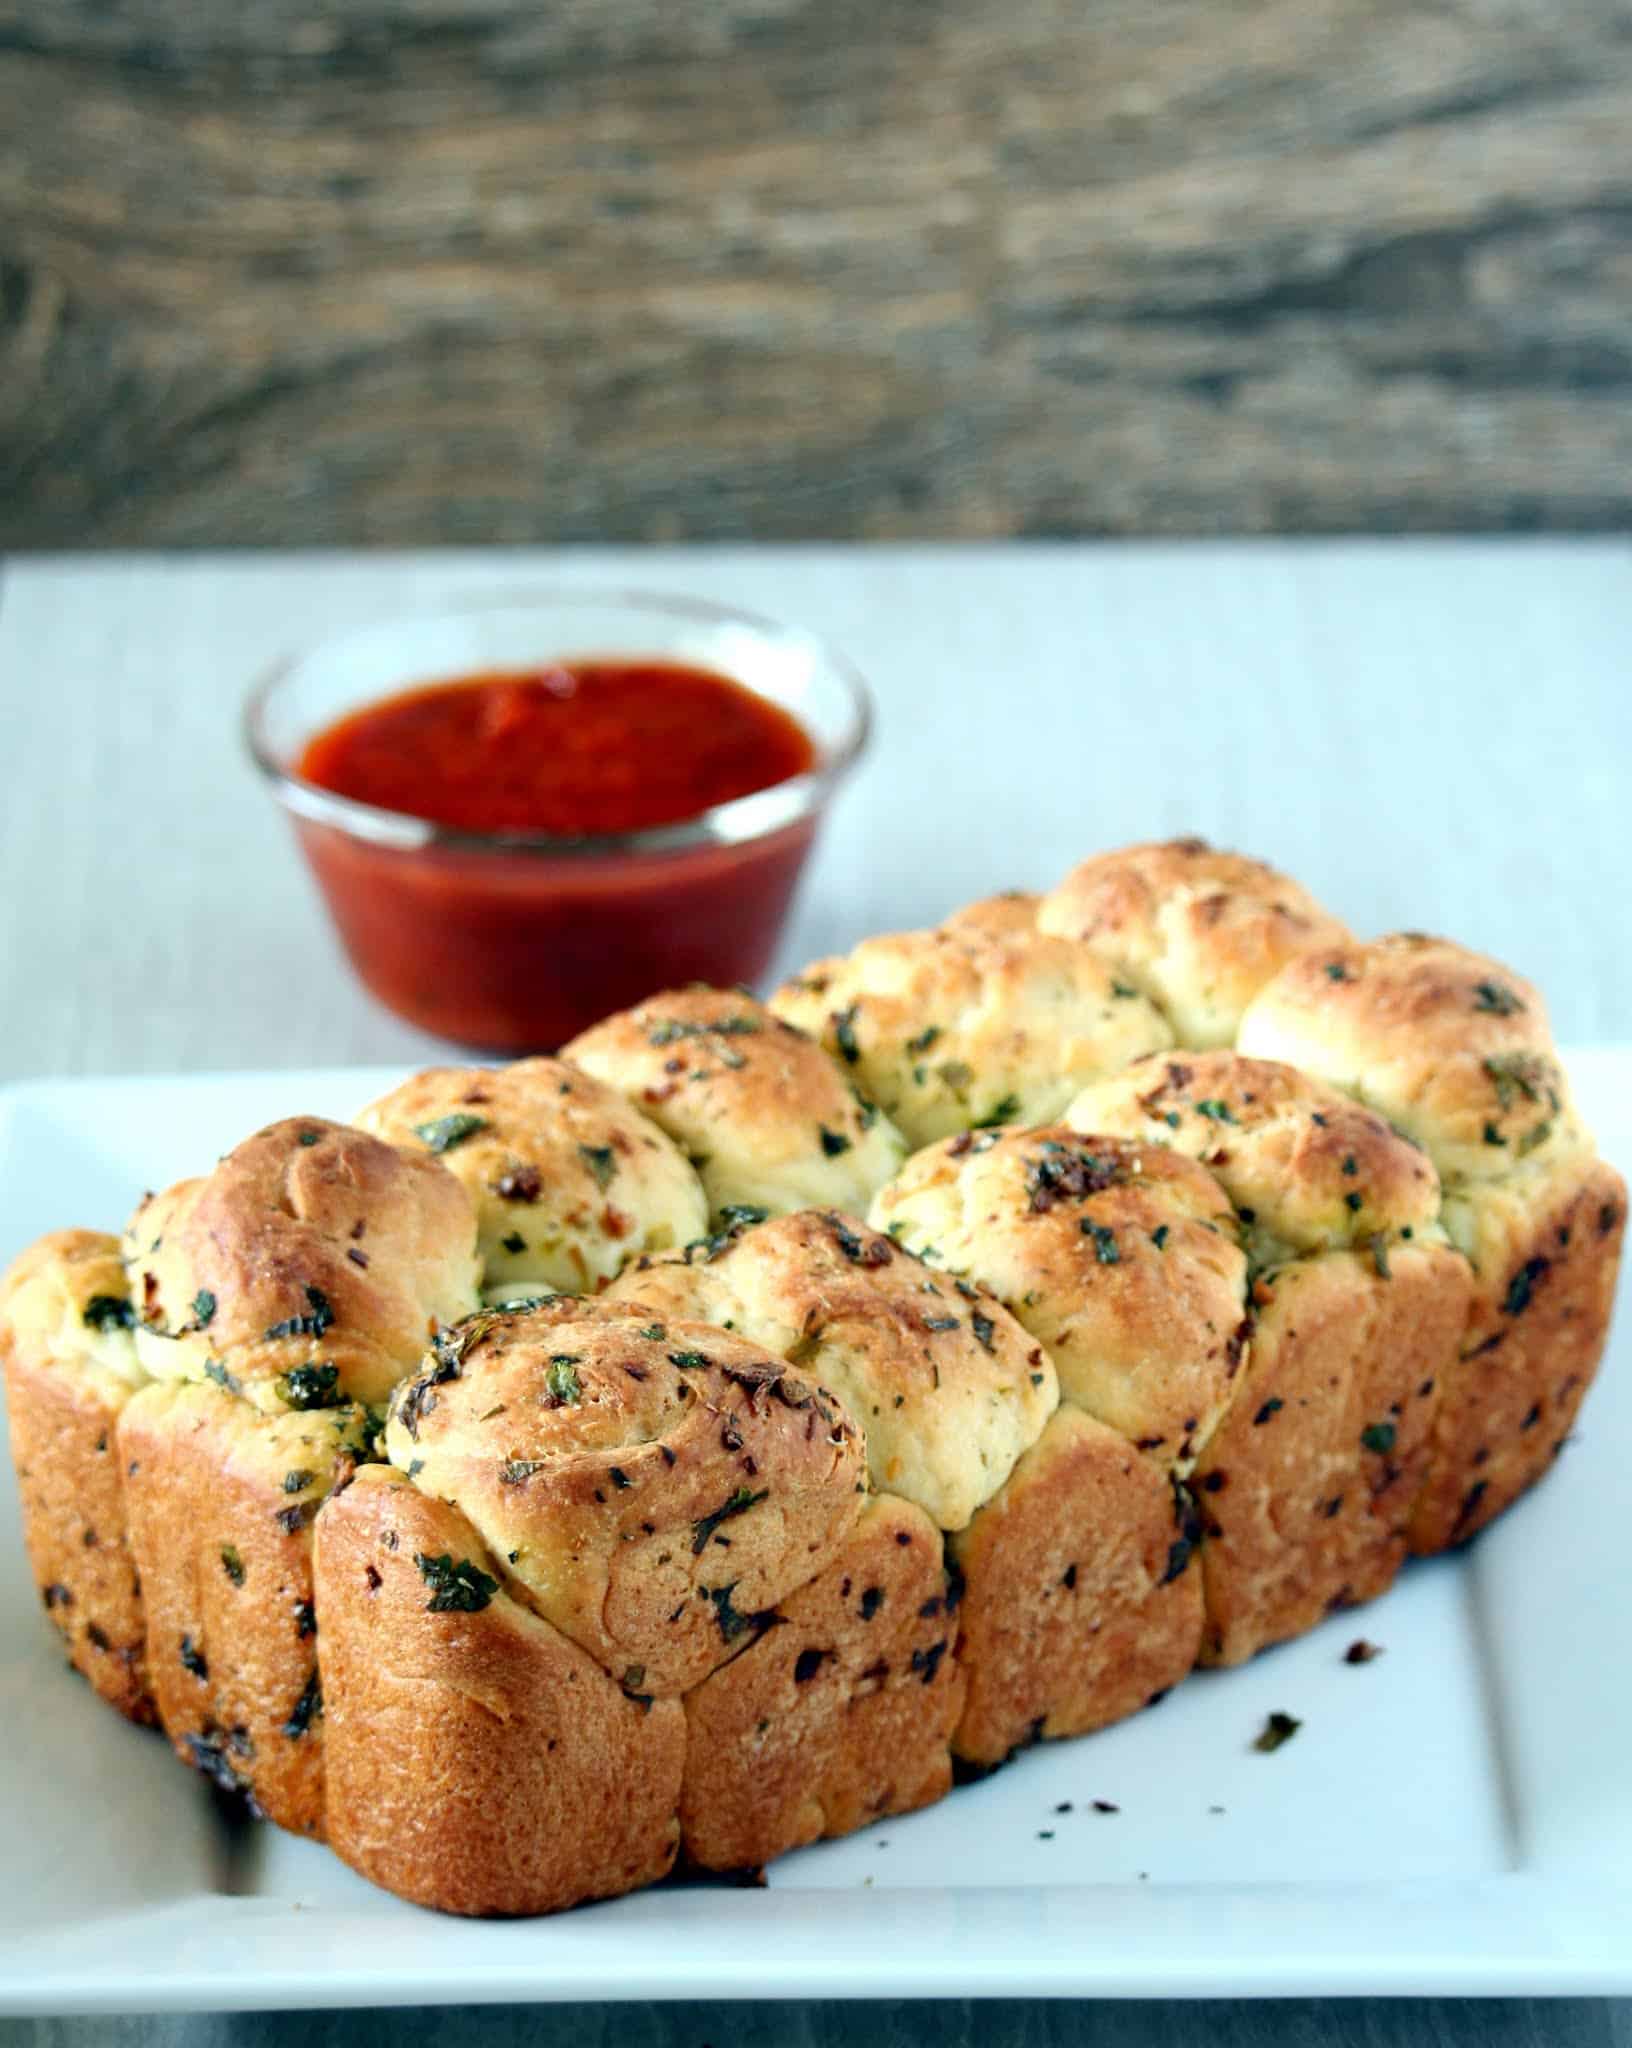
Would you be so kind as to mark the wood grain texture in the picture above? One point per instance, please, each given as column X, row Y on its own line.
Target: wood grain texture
column 416, row 270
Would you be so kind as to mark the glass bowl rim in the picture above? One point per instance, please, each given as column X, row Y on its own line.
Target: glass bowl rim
column 756, row 815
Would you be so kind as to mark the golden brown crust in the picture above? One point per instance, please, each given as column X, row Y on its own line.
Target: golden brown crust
column 312, row 1249
column 1011, row 913
column 569, row 1181
column 1081, row 1599
column 221, row 1498
column 477, row 1761
column 1307, row 1168
column 768, row 1120
column 1200, row 931
column 1307, row 1486
column 657, row 1487
column 976, row 1022
column 1121, row 1258
column 945, row 1385
column 1546, row 1251
column 837, row 1717
column 69, row 1367
column 1452, row 1047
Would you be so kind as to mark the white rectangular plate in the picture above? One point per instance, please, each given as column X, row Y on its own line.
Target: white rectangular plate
column 1455, row 1817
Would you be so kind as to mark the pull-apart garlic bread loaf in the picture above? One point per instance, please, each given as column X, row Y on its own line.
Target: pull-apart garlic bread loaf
column 639, row 1456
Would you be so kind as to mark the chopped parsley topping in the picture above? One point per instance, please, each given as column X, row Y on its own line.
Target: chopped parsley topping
column 309, row 1138
column 983, row 1327
column 924, row 1039
column 109, row 1312
column 517, row 1471
column 462, row 1588
column 1217, row 1110
column 1523, row 1286
column 565, row 1388
column 1124, row 990
column 1278, row 1728
column 297, row 1481
column 1158, row 1236
column 318, row 1318
column 1378, row 1437
column 203, row 1309
column 193, row 1660
column 1496, row 998
column 1003, row 1111
column 690, row 1361
column 1519, row 1073
column 515, row 1244
column 305, row 1710
column 844, row 1034
column 442, row 1133
column 602, row 1162
column 833, row 1142
column 310, row 1386
column 215, row 1370
column 232, row 1564
column 741, row 1216
column 1272, row 1406
column 670, row 1030
column 1336, row 971
column 1105, row 1246
column 654, row 1333
column 739, row 1504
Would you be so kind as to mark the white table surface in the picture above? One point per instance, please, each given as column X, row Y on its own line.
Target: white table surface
column 1434, row 735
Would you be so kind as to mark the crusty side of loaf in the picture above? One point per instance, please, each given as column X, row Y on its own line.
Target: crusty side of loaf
column 1081, row 1600
column 225, row 1557
column 1308, row 1484
column 1546, row 1259
column 478, row 1762
column 839, row 1714
column 63, row 1410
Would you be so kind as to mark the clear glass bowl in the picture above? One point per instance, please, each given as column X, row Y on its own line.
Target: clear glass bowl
column 512, row 943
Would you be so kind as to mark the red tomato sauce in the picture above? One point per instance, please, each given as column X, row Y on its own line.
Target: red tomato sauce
column 516, row 950
column 590, row 747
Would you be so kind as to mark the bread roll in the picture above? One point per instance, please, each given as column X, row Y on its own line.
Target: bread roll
column 1121, row 1259
column 70, row 1367
column 221, row 1498
column 766, row 1118
column 838, row 1716
column 657, row 1487
column 478, row 1761
column 1455, row 1049
column 568, row 1180
column 1080, row 1602
column 947, row 1388
column 978, row 1022
column 1198, row 931
column 312, row 1265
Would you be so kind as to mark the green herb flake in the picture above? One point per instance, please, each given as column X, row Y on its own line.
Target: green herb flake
column 564, row 1386
column 517, row 1471
column 833, row 1142
column 310, row 1386
column 462, row 1588
column 1159, row 1235
column 515, row 1244
column 1219, row 1111
column 1379, row 1255
column 1279, row 1727
column 1495, row 998
column 690, row 1361
column 1378, row 1437
column 203, row 1309
column 1538, row 1134
column 305, row 1710
column 232, row 1564
column 739, row 1504
column 984, row 1328
column 1336, row 971
column 1003, row 1111
column 1515, row 1074
column 1123, row 990
column 924, row 1039
column 602, row 1162
column 297, row 1481
column 1354, row 1201
column 442, row 1133
column 215, row 1370
column 654, row 1333
column 844, row 1034
column 1493, row 1136
column 309, row 1138
column 1521, row 1288
column 108, row 1312
column 1105, row 1246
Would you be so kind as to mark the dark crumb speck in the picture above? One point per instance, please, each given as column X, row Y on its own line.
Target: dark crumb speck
column 1277, row 1728
column 1361, row 1652
column 1063, row 1807
column 1106, row 1806
column 1045, row 1834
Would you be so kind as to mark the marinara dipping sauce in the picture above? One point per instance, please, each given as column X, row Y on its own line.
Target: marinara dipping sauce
column 514, row 851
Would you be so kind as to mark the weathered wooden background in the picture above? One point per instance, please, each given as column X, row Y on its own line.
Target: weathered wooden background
column 423, row 270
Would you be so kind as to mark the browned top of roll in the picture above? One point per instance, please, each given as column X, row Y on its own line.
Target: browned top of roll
column 656, row 1486
column 315, row 1262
